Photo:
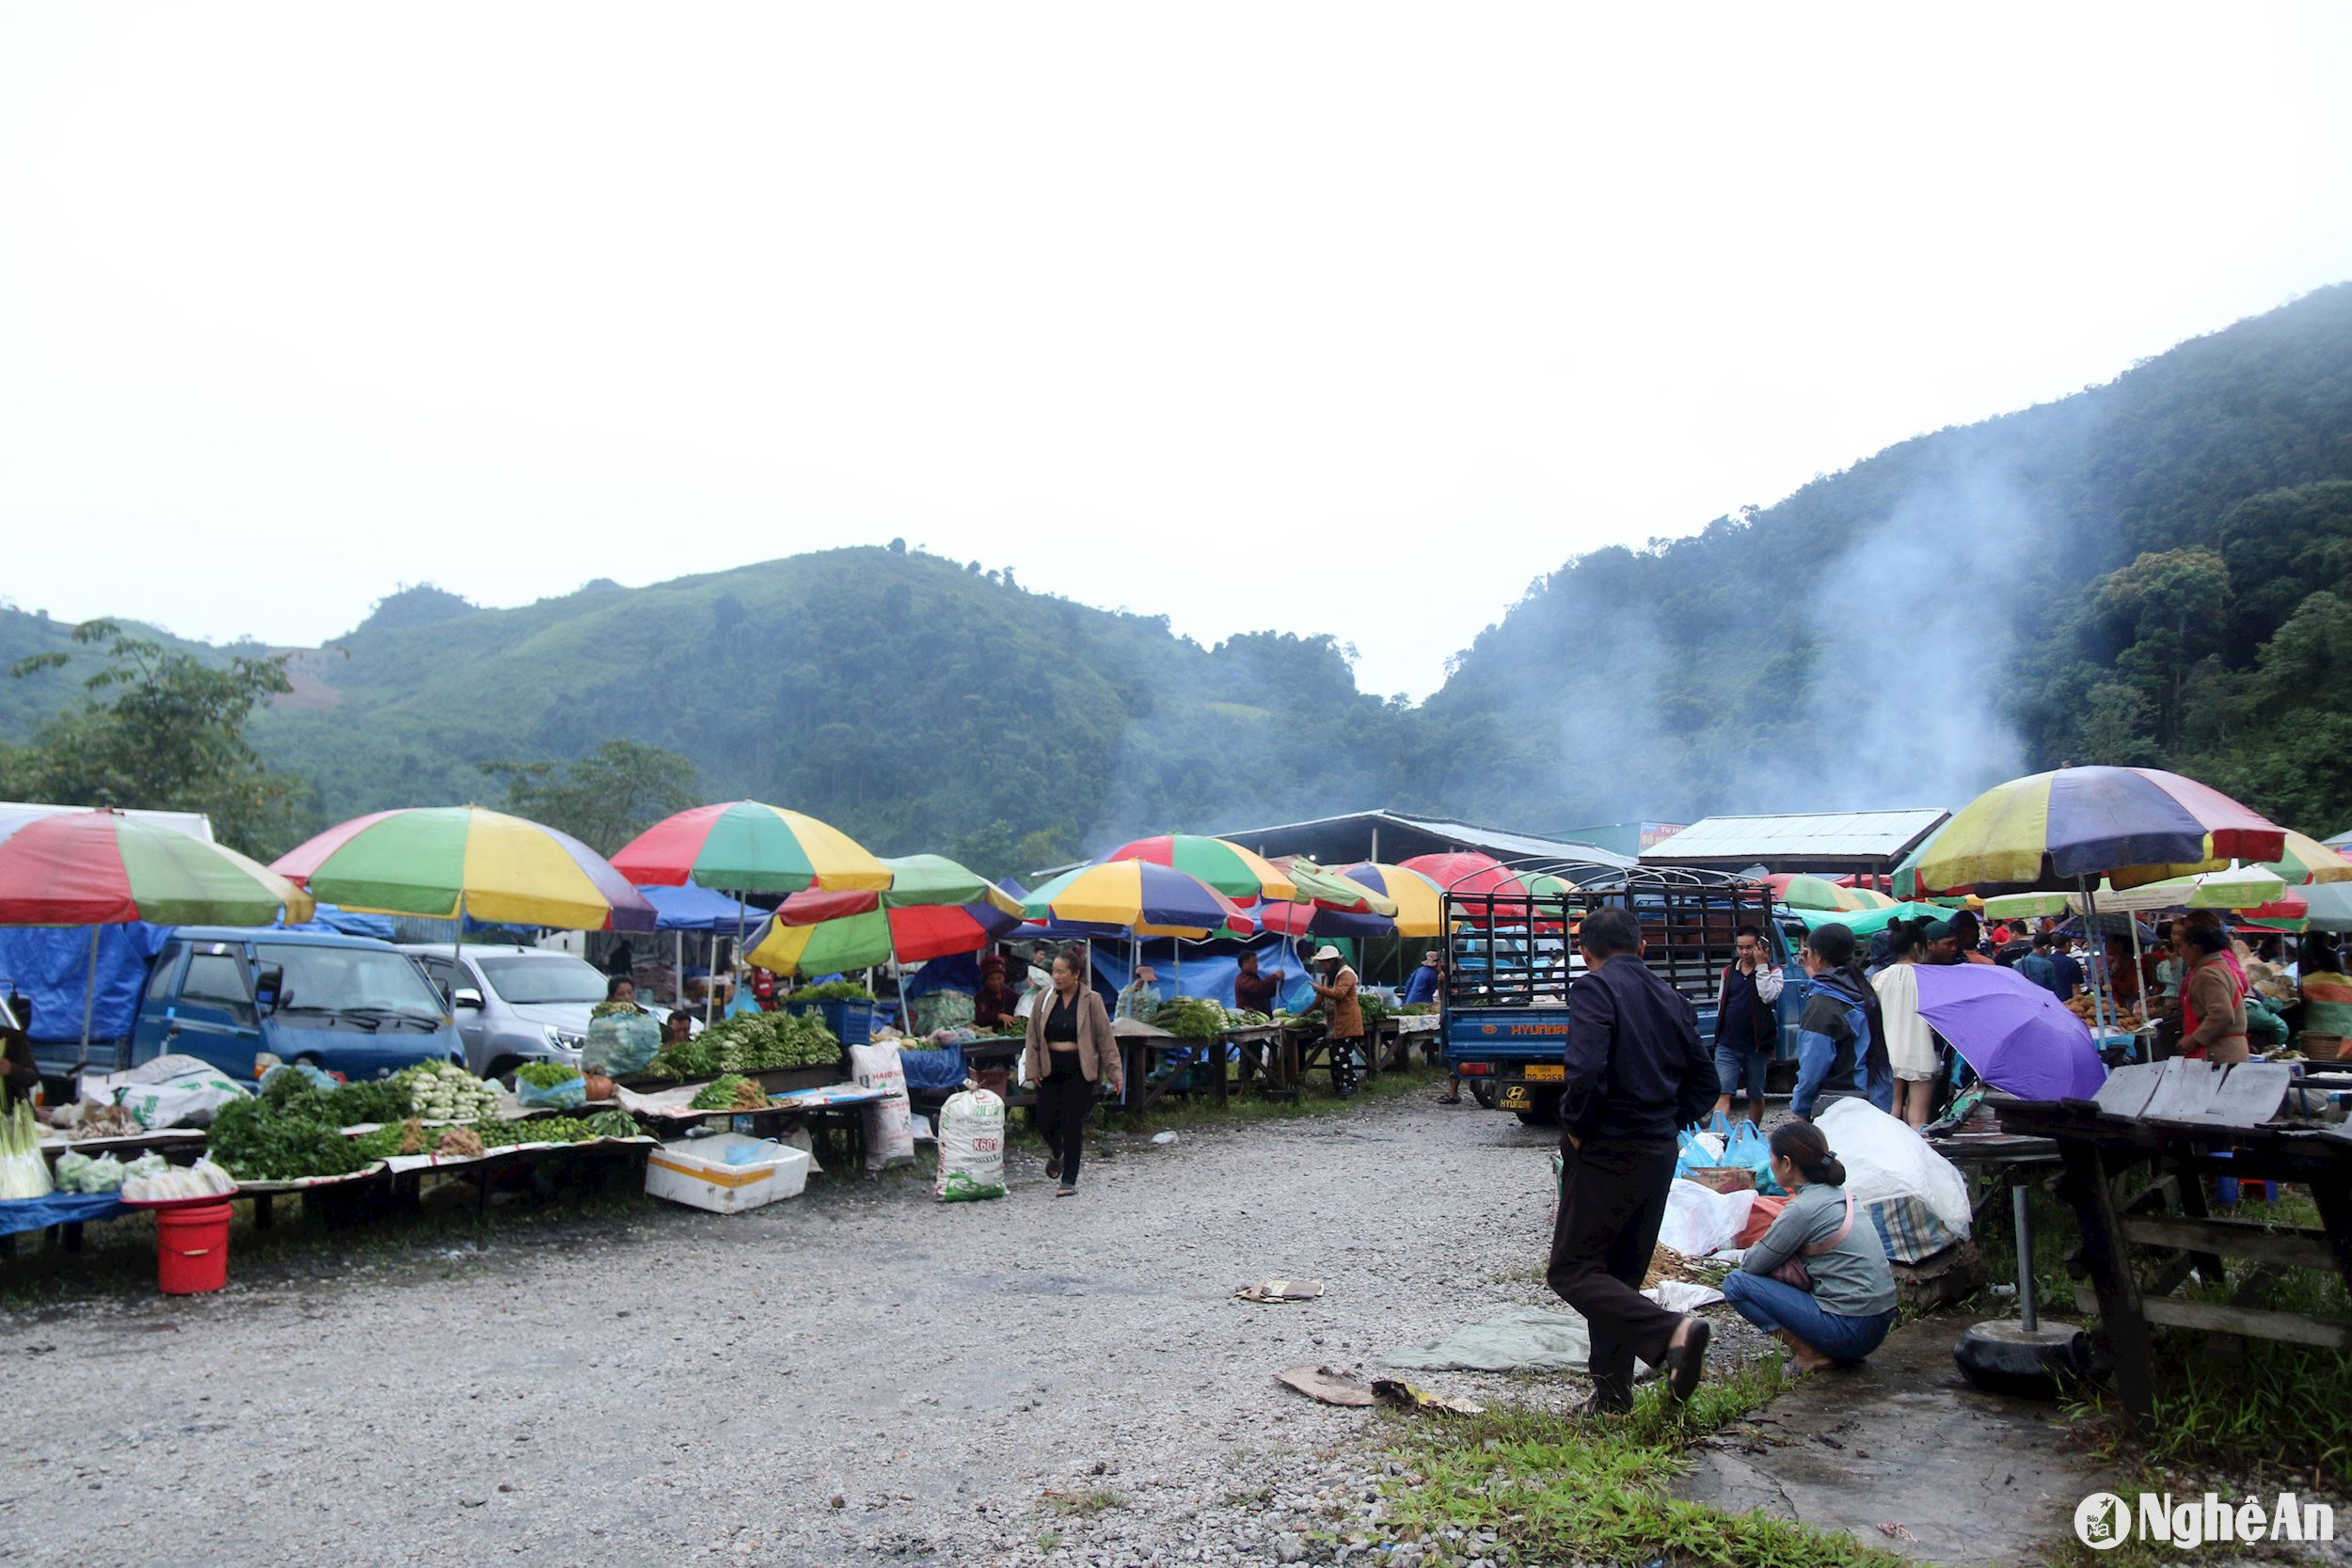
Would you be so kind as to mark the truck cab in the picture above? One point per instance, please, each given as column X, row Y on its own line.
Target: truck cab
column 352, row 1005
column 1511, row 958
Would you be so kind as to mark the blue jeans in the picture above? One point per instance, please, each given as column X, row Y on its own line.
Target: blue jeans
column 1732, row 1065
column 1772, row 1305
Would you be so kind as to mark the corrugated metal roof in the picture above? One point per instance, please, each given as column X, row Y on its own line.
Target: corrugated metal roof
column 1506, row 845
column 1859, row 834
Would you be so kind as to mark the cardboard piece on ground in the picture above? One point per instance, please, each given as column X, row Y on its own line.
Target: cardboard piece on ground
column 1323, row 1384
column 1282, row 1290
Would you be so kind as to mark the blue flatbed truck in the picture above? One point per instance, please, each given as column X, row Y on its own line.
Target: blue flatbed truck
column 1511, row 958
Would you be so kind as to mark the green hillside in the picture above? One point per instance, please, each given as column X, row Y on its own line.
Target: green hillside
column 2157, row 570
column 910, row 699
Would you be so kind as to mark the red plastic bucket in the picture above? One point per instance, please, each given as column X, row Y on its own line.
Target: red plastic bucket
column 192, row 1248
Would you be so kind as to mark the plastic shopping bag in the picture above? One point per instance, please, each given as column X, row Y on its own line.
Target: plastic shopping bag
column 1700, row 1221
column 619, row 1044
column 1748, row 1147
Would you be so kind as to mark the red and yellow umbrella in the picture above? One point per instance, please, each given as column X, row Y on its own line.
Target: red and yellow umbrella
column 1231, row 869
column 749, row 847
column 935, row 908
column 2073, row 826
column 104, row 868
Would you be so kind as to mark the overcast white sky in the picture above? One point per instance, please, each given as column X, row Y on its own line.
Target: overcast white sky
column 1347, row 318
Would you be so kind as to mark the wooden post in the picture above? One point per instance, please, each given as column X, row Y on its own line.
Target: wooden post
column 2111, row 1267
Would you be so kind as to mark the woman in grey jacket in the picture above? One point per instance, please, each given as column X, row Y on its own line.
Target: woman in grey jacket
column 1819, row 1278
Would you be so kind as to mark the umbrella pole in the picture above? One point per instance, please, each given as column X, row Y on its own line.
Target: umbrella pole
column 678, row 969
column 2139, row 968
column 89, row 994
column 2098, row 958
column 456, row 947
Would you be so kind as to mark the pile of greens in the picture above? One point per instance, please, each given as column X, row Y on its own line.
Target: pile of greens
column 545, row 1075
column 750, row 1042
column 730, row 1093
column 832, row 991
column 415, row 1138
column 1191, row 1017
column 289, row 1131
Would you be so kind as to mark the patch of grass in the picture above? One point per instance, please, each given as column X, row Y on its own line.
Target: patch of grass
column 1081, row 1504
column 2255, row 1403
column 1560, row 1490
column 1048, row 1542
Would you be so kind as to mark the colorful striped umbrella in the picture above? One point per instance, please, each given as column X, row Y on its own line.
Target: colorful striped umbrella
column 749, row 847
column 1139, row 899
column 2307, row 860
column 2238, row 888
column 1231, row 869
column 1820, row 892
column 447, row 862
column 935, row 909
column 103, row 868
column 1329, row 905
column 2131, row 825
column 1419, row 910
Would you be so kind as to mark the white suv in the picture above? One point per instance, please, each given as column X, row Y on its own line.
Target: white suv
column 515, row 1004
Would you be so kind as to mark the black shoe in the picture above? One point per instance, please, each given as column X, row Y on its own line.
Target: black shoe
column 1686, row 1361
column 1053, row 1169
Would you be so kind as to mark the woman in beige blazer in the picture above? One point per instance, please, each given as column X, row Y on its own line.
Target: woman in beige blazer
column 1071, row 1050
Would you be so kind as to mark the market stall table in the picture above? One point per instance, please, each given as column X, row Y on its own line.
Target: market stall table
column 2190, row 1121
column 832, row 1108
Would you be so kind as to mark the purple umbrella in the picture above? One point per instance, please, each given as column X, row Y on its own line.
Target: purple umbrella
column 2017, row 1036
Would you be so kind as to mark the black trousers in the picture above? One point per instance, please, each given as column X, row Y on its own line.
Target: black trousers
column 1612, row 1198
column 1344, row 1072
column 1062, row 1103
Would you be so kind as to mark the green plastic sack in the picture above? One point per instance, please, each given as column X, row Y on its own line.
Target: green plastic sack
column 619, row 1044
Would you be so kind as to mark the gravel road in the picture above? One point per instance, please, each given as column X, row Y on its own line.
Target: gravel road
column 860, row 1376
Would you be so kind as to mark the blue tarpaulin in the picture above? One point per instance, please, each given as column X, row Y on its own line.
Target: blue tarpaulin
column 347, row 922
column 1205, row 971
column 18, row 1214
column 50, row 967
column 698, row 909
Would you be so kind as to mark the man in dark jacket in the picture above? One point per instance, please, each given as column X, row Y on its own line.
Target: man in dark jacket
column 1636, row 1073
column 1747, row 1028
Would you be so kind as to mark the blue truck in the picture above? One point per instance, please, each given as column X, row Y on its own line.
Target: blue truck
column 1512, row 958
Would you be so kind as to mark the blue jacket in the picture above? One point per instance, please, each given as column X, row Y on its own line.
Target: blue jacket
column 1422, row 985
column 1832, row 1040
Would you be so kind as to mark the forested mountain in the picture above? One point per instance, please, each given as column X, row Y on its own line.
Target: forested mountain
column 2158, row 570
column 2154, row 570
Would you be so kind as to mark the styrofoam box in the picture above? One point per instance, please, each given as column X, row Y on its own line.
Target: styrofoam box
column 695, row 1171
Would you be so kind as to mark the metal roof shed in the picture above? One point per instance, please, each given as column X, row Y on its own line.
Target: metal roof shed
column 1395, row 835
column 1862, row 843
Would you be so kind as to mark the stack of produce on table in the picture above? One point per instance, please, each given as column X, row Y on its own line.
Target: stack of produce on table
column 2084, row 1006
column 621, row 1037
column 415, row 1137
column 1247, row 1017
column 551, row 1085
column 443, row 1091
column 23, row 1171
column 81, row 1121
column 731, row 1093
column 201, row 1179
column 1190, row 1018
column 832, row 991
column 750, row 1042
column 290, row 1130
column 78, row 1173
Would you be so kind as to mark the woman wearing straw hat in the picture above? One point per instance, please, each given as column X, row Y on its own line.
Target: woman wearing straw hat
column 1345, row 1036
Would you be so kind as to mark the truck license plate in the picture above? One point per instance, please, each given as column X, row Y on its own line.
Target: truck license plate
column 1547, row 1073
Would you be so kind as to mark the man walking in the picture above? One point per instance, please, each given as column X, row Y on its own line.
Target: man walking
column 1636, row 1073
column 1747, row 1023
column 1422, row 985
column 2039, row 966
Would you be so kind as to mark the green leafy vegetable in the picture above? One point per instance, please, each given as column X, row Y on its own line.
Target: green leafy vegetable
column 546, row 1075
column 832, row 991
